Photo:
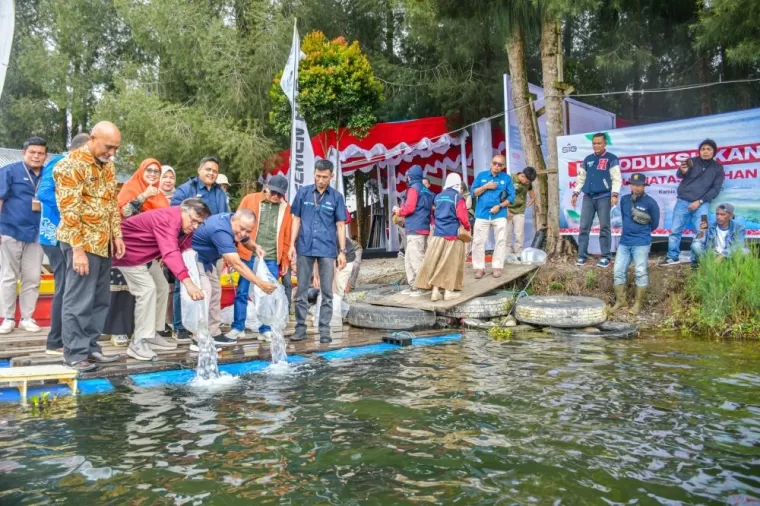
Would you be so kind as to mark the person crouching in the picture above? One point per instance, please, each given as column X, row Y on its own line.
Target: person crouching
column 162, row 233
column 641, row 216
column 443, row 266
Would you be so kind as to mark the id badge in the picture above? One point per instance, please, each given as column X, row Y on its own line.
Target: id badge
column 36, row 205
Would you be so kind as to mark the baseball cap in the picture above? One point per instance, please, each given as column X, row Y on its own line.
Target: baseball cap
column 639, row 179
column 222, row 179
column 729, row 208
column 278, row 184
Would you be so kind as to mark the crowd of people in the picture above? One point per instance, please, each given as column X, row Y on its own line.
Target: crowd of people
column 116, row 254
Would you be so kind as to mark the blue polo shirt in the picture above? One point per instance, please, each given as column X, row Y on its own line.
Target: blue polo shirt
column 213, row 239
column 490, row 198
column 17, row 191
column 318, row 235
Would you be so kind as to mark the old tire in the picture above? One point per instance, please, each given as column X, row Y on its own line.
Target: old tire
column 561, row 311
column 370, row 295
column 488, row 306
column 607, row 330
column 367, row 316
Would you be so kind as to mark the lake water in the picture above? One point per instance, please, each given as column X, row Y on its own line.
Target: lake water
column 655, row 420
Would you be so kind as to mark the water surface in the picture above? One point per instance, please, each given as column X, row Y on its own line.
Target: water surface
column 540, row 420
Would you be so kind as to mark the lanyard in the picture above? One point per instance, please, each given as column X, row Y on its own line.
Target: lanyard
column 31, row 180
column 318, row 203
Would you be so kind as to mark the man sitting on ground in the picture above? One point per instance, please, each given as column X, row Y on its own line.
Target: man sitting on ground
column 217, row 238
column 162, row 233
column 723, row 237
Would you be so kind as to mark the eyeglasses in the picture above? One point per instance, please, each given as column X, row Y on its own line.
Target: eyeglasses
column 497, row 164
column 153, row 171
column 276, row 194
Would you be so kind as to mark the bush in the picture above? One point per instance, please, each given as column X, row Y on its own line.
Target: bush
column 723, row 296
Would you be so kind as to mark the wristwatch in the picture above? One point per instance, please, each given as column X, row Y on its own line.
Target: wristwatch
column 343, row 250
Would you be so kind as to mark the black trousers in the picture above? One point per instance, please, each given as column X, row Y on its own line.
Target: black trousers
column 58, row 264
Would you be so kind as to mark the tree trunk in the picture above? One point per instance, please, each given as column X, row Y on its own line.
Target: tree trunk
column 550, row 33
column 525, row 112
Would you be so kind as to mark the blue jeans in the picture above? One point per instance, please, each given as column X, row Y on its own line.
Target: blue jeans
column 640, row 257
column 602, row 208
column 241, row 296
column 682, row 217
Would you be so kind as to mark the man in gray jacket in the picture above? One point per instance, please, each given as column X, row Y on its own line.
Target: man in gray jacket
column 701, row 181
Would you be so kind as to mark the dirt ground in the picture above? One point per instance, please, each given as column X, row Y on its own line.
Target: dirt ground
column 563, row 277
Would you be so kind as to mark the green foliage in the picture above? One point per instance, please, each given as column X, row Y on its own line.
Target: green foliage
column 732, row 24
column 41, row 405
column 722, row 299
column 336, row 88
column 590, row 279
column 500, row 333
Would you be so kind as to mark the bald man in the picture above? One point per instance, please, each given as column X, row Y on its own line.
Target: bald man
column 89, row 234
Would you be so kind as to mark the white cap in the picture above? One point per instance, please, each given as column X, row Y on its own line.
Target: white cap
column 222, row 179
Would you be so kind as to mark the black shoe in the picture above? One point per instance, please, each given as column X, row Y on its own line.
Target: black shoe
column 183, row 336
column 298, row 337
column 99, row 357
column 83, row 366
column 167, row 332
column 325, row 339
column 222, row 340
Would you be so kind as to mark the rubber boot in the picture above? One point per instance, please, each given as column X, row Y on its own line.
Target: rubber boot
column 619, row 298
column 641, row 292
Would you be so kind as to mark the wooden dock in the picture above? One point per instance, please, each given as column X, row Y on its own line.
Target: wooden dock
column 25, row 349
column 472, row 288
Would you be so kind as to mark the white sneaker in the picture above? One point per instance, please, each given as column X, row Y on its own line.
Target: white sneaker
column 120, row 340
column 236, row 334
column 265, row 336
column 29, row 325
column 7, row 326
column 141, row 350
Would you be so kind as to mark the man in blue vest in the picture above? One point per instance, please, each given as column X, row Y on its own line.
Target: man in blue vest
column 641, row 217
column 317, row 234
column 600, row 180
column 495, row 192
column 204, row 186
column 416, row 213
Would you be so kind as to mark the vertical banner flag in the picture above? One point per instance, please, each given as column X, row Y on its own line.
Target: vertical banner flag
column 301, row 151
column 657, row 151
column 7, row 20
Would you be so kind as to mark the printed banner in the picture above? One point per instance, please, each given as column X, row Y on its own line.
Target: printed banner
column 301, row 151
column 7, row 20
column 657, row 151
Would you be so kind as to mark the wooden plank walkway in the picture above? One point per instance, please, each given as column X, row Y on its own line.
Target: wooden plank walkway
column 472, row 288
column 28, row 349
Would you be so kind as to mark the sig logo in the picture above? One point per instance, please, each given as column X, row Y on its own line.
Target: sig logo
column 569, row 149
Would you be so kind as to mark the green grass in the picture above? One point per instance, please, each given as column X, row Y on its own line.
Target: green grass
column 723, row 298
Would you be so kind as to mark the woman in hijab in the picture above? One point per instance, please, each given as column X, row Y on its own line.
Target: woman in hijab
column 141, row 193
column 168, row 181
column 443, row 265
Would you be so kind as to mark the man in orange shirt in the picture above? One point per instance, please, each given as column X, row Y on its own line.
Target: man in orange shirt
column 272, row 233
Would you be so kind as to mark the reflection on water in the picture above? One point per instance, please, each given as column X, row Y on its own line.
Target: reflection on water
column 545, row 421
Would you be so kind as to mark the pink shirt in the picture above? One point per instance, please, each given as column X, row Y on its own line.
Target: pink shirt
column 155, row 234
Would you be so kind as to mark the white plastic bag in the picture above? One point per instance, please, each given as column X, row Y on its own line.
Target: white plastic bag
column 533, row 256
column 272, row 309
column 251, row 320
column 194, row 313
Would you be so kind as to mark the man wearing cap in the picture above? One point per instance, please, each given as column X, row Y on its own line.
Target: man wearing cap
column 599, row 179
column 641, row 216
column 222, row 181
column 272, row 233
column 701, row 182
column 723, row 237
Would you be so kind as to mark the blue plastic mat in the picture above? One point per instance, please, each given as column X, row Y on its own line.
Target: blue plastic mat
column 5, row 363
column 357, row 351
column 94, row 386
column 155, row 379
column 436, row 340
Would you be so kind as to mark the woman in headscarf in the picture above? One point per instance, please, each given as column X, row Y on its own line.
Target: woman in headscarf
column 168, row 181
column 443, row 265
column 141, row 193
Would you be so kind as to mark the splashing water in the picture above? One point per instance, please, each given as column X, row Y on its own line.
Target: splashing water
column 273, row 312
column 208, row 367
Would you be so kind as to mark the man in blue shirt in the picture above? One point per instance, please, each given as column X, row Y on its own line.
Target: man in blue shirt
column 205, row 187
column 20, row 251
column 495, row 192
column 641, row 217
column 600, row 180
column 48, row 225
column 317, row 233
column 723, row 237
column 217, row 238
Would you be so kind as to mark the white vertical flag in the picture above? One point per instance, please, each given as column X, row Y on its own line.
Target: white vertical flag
column 7, row 20
column 301, row 151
